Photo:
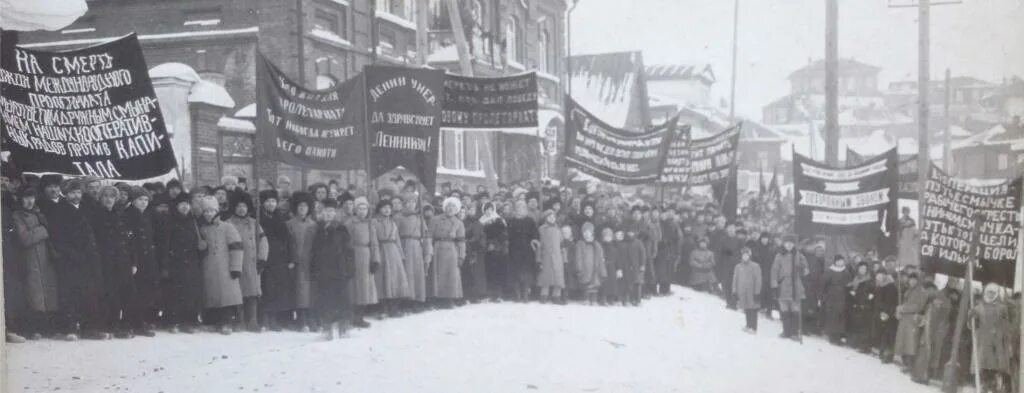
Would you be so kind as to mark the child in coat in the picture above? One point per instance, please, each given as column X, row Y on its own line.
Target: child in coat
column 590, row 265
column 610, row 285
column 634, row 258
column 746, row 288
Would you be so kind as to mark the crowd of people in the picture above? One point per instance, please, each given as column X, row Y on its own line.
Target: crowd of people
column 87, row 260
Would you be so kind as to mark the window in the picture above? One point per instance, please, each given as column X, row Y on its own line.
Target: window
column 1004, row 161
column 512, row 41
column 327, row 20
column 542, row 52
column 405, row 9
column 472, row 154
column 452, row 149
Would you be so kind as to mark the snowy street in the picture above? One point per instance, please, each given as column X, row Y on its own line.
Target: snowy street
column 666, row 345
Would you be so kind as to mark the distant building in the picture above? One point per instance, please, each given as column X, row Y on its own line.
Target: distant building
column 993, row 154
column 1007, row 100
column 966, row 100
column 858, row 88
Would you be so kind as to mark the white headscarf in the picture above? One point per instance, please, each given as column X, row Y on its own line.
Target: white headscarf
column 451, row 201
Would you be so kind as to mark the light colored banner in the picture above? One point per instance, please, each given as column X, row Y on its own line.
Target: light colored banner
column 840, row 175
column 844, row 202
column 833, row 218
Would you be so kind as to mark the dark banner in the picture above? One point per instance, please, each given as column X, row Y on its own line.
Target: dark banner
column 404, row 109
column 908, row 178
column 712, row 159
column 947, row 224
column 611, row 154
column 853, row 158
column 89, row 111
column 316, row 129
column 859, row 201
column 677, row 162
column 490, row 103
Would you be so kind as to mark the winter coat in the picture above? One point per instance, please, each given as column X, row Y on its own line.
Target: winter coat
column 255, row 249
column 727, row 254
column 937, row 322
column 860, row 307
column 14, row 265
column 331, row 269
column 392, row 282
column 910, row 315
column 449, row 237
column 909, row 244
column 302, row 231
column 496, row 253
column 834, row 292
column 702, row 267
column 612, row 264
column 364, row 253
column 222, row 255
column 783, row 274
column 278, row 280
column 522, row 259
column 418, row 250
column 816, row 266
column 885, row 301
column 474, row 272
column 142, row 256
column 551, row 258
column 40, row 276
column 668, row 251
column 994, row 335
column 746, row 285
column 590, row 264
column 80, row 286
column 112, row 245
column 178, row 252
column 633, row 254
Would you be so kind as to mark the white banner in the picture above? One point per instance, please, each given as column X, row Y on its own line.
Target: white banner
column 844, row 202
column 840, row 175
column 832, row 218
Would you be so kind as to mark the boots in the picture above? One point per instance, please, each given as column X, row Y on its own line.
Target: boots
column 787, row 324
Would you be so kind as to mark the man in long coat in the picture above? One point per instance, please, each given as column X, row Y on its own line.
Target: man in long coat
column 523, row 241
column 278, row 276
column 112, row 244
column 178, row 252
column 551, row 259
column 787, row 269
column 746, row 288
column 910, row 314
column 254, row 256
column 668, row 252
column 79, row 270
column 222, row 266
column 302, row 229
column 141, row 314
column 32, row 237
column 364, row 250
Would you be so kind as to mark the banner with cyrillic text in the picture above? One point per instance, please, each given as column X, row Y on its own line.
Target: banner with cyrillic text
column 404, row 124
column 89, row 111
column 504, row 104
column 677, row 163
column 611, row 154
column 858, row 201
column 948, row 211
column 712, row 158
column 314, row 129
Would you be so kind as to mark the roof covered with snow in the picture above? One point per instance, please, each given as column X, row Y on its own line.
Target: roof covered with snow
column 31, row 15
column 175, row 70
column 1001, row 134
column 235, row 124
column 680, row 72
column 211, row 93
column 248, row 111
column 846, row 66
column 606, row 84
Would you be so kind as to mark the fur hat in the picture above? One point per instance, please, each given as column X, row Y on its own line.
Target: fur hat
column 547, row 213
column 72, row 185
column 451, row 201
column 345, row 197
column 137, row 192
column 330, row 203
column 300, row 197
column 111, row 189
column 50, row 180
column 174, row 183
column 160, row 199
column 382, row 204
column 182, row 197
column 361, row 201
column 550, row 203
column 209, row 202
column 268, row 194
column 237, row 198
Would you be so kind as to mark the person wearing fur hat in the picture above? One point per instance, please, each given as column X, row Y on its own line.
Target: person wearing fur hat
column 590, row 263
column 332, row 269
column 38, row 273
column 49, row 194
column 178, row 255
column 448, row 235
column 364, row 251
column 174, row 188
column 702, row 266
column 278, row 279
column 550, row 259
column 302, row 230
column 254, row 257
column 392, row 283
column 141, row 314
column 788, row 269
column 495, row 258
column 523, row 241
column 91, row 191
column 221, row 248
column 111, row 235
column 909, row 313
column 417, row 248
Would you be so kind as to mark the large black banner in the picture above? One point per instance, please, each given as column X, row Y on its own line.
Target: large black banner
column 947, row 223
column 90, row 111
column 611, row 154
column 712, row 159
column 490, row 103
column 316, row 129
column 677, row 162
column 859, row 201
column 907, row 188
column 404, row 108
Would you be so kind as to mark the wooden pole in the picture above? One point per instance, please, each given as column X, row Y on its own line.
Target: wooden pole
column 735, row 50
column 465, row 62
column 947, row 150
column 422, row 41
column 1020, row 283
column 832, row 82
column 950, row 380
column 923, row 84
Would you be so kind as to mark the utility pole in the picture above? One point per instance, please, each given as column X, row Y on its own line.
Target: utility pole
column 568, row 46
column 735, row 46
column 422, row 41
column 924, row 158
column 832, row 82
column 947, row 154
column 950, row 379
column 465, row 63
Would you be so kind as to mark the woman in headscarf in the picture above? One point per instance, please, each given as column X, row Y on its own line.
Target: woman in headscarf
column 364, row 251
column 418, row 250
column 254, row 257
column 301, row 230
column 474, row 271
column 222, row 266
column 278, row 273
column 392, row 282
column 496, row 249
column 449, row 237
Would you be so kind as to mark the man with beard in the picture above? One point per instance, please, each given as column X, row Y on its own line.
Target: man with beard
column 79, row 270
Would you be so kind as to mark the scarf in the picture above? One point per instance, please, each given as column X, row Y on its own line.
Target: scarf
column 489, row 217
column 859, row 279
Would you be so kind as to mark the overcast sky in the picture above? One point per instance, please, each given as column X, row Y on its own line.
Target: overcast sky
column 980, row 38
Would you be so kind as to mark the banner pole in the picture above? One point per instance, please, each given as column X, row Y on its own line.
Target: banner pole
column 1020, row 284
column 950, row 380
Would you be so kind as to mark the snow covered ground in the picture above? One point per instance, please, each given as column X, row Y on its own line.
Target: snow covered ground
column 685, row 343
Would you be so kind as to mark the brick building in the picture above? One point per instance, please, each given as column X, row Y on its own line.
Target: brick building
column 318, row 42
